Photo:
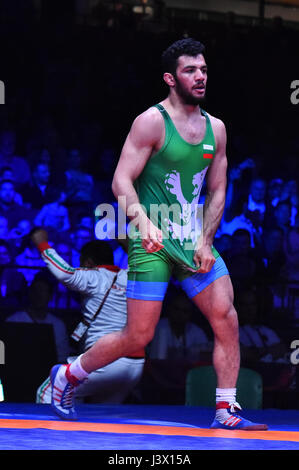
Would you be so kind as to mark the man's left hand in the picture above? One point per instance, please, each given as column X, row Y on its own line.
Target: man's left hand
column 204, row 259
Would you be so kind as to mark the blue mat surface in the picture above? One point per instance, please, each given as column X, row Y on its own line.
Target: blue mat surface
column 149, row 415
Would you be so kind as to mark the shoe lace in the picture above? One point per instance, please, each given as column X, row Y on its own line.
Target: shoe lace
column 234, row 407
column 68, row 398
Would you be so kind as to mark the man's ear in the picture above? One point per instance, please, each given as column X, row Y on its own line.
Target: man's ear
column 169, row 79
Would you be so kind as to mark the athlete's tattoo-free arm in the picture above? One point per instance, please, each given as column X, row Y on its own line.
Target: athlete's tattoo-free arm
column 214, row 202
column 141, row 140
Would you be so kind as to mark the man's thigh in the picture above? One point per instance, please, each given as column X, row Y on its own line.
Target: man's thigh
column 211, row 292
column 216, row 300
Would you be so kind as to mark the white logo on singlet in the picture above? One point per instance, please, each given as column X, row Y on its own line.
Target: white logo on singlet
column 191, row 226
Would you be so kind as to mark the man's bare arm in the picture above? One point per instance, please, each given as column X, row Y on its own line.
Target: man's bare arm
column 143, row 138
column 215, row 199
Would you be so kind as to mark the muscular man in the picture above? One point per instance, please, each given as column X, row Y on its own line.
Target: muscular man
column 170, row 148
column 110, row 384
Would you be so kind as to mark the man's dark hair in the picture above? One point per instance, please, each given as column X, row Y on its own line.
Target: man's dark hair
column 189, row 47
column 99, row 251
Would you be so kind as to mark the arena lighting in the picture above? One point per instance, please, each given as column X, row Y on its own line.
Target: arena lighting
column 145, row 8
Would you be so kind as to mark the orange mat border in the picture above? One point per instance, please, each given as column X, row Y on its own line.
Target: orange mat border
column 148, row 429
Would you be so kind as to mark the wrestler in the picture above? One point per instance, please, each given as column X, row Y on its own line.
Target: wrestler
column 171, row 148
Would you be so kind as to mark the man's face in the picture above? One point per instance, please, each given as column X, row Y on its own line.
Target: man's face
column 258, row 190
column 42, row 174
column 191, row 79
column 7, row 193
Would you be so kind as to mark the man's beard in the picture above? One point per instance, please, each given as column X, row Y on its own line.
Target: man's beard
column 186, row 96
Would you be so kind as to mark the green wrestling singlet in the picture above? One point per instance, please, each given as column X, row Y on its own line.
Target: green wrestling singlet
column 169, row 189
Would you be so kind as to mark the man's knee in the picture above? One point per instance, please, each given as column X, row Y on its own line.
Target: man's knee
column 225, row 315
column 139, row 337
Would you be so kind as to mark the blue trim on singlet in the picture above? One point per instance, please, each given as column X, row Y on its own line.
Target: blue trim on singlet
column 146, row 290
column 194, row 284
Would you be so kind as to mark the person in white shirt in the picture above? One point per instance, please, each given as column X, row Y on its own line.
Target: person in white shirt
column 113, row 383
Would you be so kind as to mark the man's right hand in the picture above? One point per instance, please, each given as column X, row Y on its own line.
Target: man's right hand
column 152, row 239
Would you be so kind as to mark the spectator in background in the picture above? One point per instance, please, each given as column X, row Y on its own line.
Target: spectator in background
column 273, row 195
column 272, row 253
column 291, row 271
column 4, row 231
column 255, row 208
column 257, row 196
column 236, row 198
column 79, row 185
column 18, row 233
column 45, row 145
column 54, row 216
column 291, row 249
column 40, row 155
column 13, row 285
column 6, row 173
column 243, row 262
column 242, row 221
column 223, row 245
column 86, row 220
column 13, row 211
column 8, row 158
column 80, row 236
column 258, row 342
column 244, row 209
column 274, row 191
column 282, row 216
column 41, row 191
column 290, row 194
column 40, row 293
column 29, row 261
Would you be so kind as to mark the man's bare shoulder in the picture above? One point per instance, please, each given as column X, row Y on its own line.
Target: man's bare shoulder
column 151, row 118
column 219, row 131
column 217, row 124
column 148, row 126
